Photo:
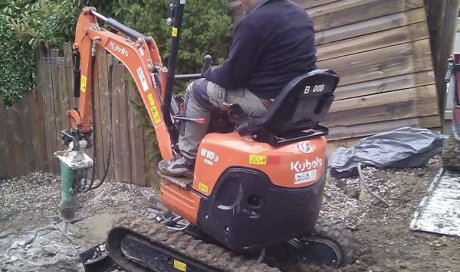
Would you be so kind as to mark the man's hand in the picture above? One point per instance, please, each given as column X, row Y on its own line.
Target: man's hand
column 227, row 105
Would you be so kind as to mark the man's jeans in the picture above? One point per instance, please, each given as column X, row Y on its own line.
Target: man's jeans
column 203, row 97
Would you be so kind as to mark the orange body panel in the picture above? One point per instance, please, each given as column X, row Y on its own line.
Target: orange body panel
column 182, row 202
column 295, row 165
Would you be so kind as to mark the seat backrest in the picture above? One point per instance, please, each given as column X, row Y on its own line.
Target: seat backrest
column 301, row 105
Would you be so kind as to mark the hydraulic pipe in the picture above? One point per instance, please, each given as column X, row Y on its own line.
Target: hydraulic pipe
column 76, row 73
column 177, row 13
column 114, row 24
column 188, row 76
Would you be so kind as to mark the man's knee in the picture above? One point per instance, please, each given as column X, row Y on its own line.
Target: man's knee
column 198, row 90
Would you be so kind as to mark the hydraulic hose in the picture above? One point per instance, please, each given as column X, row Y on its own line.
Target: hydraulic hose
column 361, row 178
column 87, row 187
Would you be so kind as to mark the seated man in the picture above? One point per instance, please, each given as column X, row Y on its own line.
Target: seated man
column 273, row 44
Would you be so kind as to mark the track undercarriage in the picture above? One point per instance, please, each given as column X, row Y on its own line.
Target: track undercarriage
column 170, row 244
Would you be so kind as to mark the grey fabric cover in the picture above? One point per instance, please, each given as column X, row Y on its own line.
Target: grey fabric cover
column 401, row 148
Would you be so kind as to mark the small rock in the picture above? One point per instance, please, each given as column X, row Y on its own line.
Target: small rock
column 17, row 244
column 5, row 234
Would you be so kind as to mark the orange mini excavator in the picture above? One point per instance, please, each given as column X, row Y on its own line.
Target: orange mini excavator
column 256, row 194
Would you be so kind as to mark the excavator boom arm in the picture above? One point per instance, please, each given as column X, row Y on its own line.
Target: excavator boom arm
column 141, row 58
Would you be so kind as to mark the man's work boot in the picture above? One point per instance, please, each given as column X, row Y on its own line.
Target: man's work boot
column 179, row 166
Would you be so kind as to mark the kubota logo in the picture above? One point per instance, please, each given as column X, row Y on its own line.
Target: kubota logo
column 302, row 166
column 305, row 147
column 118, row 49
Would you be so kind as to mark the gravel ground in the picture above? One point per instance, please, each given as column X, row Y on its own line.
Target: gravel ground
column 29, row 240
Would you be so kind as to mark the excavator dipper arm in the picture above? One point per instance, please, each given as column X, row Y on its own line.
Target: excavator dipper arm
column 141, row 58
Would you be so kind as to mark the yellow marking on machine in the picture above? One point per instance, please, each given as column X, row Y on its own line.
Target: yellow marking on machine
column 203, row 187
column 83, row 84
column 258, row 159
column 180, row 265
column 154, row 109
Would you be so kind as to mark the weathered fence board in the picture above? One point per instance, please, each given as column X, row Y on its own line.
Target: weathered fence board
column 137, row 157
column 370, row 26
column 14, row 144
column 360, row 130
column 373, row 41
column 386, row 62
column 384, row 85
column 346, row 12
column 57, row 95
column 19, row 124
column 28, row 141
column 97, row 125
column 387, row 98
column 50, row 125
column 64, row 93
column 40, row 142
column 120, row 120
column 4, row 149
column 313, row 3
column 105, row 124
column 39, row 137
column 410, row 108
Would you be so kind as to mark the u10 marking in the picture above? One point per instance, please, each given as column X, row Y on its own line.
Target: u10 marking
column 208, row 154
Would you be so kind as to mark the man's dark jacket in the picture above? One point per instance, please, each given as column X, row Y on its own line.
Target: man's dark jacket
column 273, row 44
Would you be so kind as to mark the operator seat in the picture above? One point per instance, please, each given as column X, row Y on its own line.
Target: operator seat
column 296, row 112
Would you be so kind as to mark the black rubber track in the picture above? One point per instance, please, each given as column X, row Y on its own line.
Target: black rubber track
column 181, row 243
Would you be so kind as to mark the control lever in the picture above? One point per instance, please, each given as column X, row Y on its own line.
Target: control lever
column 206, row 65
column 207, row 60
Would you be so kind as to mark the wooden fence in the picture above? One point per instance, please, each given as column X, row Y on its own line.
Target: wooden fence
column 17, row 146
column 381, row 50
column 391, row 57
column 30, row 133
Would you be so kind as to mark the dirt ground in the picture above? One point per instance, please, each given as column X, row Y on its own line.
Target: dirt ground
column 30, row 241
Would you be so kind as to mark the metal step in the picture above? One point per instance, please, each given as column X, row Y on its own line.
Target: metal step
column 439, row 211
column 182, row 182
